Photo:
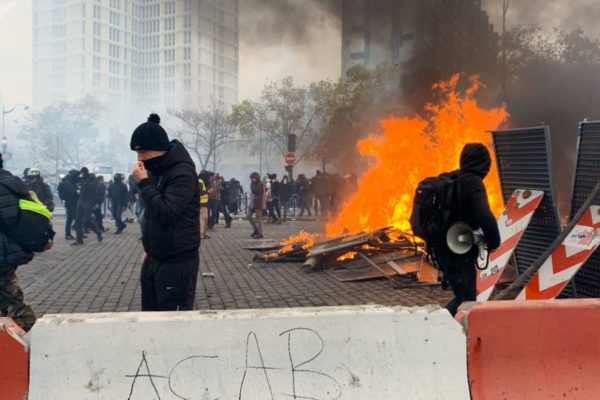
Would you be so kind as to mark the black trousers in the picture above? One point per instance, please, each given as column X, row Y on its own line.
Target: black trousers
column 117, row 211
column 70, row 209
column 84, row 218
column 464, row 286
column 169, row 286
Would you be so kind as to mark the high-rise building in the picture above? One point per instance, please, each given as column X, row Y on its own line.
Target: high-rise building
column 426, row 39
column 135, row 54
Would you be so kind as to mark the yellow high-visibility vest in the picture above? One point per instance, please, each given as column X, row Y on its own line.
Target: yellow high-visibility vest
column 203, row 193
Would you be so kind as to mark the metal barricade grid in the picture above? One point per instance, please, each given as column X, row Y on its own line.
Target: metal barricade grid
column 524, row 160
column 587, row 175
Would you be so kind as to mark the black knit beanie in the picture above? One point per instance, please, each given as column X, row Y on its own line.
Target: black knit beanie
column 150, row 136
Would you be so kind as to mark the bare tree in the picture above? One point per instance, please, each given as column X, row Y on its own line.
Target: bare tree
column 65, row 135
column 282, row 110
column 205, row 131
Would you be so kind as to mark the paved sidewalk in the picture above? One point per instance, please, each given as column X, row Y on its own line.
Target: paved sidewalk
column 103, row 277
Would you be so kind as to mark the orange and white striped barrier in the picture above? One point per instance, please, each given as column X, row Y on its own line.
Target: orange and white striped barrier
column 14, row 361
column 512, row 224
column 566, row 259
column 534, row 350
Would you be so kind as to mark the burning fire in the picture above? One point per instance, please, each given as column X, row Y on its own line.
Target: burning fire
column 308, row 240
column 411, row 149
column 348, row 256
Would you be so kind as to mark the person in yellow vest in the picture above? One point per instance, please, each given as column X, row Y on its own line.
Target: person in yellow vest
column 203, row 179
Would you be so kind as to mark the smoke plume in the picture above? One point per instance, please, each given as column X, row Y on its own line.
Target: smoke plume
column 301, row 38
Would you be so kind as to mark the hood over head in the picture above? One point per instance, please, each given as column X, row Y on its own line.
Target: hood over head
column 475, row 158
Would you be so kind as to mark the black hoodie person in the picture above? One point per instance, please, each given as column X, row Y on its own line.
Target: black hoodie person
column 166, row 176
column 474, row 210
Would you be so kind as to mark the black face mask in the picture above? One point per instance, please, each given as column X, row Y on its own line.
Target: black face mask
column 154, row 164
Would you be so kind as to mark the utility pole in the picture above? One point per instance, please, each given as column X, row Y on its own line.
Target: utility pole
column 505, row 5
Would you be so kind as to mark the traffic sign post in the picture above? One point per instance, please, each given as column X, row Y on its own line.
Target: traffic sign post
column 290, row 158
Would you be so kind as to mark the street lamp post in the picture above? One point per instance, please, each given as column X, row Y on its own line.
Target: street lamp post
column 4, row 140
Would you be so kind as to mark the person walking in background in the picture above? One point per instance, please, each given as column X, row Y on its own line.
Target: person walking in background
column 235, row 194
column 134, row 206
column 119, row 196
column 67, row 192
column 83, row 215
column 35, row 183
column 303, row 186
column 168, row 183
column 257, row 205
column 224, row 201
column 203, row 179
column 213, row 200
column 275, row 205
column 285, row 193
column 99, row 202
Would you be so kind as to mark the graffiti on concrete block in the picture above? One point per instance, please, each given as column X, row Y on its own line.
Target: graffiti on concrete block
column 293, row 377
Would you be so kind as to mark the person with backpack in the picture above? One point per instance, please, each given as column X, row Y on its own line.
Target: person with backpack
column 459, row 196
column 168, row 183
column 12, row 253
column 67, row 192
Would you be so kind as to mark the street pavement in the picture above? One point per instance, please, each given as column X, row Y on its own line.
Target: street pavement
column 104, row 277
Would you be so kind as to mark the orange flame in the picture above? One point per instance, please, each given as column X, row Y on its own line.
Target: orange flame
column 411, row 149
column 348, row 256
column 307, row 239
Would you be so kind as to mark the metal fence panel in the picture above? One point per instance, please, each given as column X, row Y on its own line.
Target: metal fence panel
column 587, row 174
column 524, row 160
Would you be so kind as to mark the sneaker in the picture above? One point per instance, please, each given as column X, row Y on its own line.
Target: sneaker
column 77, row 243
column 85, row 236
column 69, row 237
column 258, row 237
column 254, row 234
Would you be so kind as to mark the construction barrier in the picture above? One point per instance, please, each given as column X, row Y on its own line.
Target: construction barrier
column 360, row 352
column 14, row 363
column 534, row 350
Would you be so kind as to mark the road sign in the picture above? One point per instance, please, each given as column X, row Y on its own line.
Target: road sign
column 290, row 158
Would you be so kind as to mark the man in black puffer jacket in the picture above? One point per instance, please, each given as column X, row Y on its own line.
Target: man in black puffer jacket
column 168, row 184
column 460, row 270
column 12, row 301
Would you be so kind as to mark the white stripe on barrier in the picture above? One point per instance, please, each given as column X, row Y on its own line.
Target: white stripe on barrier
column 362, row 352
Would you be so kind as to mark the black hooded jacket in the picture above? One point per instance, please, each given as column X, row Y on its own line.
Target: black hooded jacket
column 475, row 163
column 170, row 227
column 474, row 208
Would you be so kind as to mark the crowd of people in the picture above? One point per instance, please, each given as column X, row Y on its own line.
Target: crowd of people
column 176, row 206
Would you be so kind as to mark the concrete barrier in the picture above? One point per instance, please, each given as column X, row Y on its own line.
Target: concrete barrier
column 14, row 361
column 362, row 352
column 534, row 350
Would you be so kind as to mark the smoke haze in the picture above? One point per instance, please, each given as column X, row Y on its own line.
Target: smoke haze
column 301, row 38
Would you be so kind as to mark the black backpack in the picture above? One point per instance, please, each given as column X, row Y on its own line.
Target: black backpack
column 32, row 227
column 435, row 209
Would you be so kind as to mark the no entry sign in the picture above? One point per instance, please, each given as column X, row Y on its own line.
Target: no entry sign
column 290, row 158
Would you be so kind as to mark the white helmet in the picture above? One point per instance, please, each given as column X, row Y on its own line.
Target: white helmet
column 34, row 172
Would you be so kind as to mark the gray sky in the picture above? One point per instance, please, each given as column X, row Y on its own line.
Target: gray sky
column 278, row 38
